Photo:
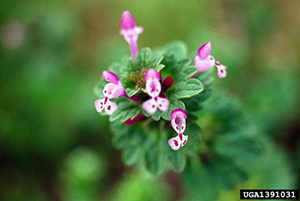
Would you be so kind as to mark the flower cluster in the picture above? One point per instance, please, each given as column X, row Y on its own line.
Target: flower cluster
column 154, row 87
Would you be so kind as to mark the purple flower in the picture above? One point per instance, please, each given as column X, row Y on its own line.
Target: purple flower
column 130, row 32
column 204, row 61
column 153, row 89
column 114, row 89
column 178, row 117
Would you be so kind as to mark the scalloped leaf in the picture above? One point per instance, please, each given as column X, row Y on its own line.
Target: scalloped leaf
column 126, row 110
column 187, row 89
column 131, row 65
column 178, row 160
column 193, row 131
column 206, row 77
column 156, row 116
column 155, row 160
column 143, row 57
column 132, row 154
column 121, row 141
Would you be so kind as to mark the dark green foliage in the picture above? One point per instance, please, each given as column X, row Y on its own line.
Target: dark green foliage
column 230, row 148
column 127, row 109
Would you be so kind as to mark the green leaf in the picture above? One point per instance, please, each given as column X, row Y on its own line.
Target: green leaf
column 127, row 83
column 185, row 73
column 190, row 148
column 143, row 57
column 174, row 104
column 195, row 103
column 156, row 61
column 206, row 77
column 178, row 48
column 247, row 151
column 156, row 116
column 192, row 104
column 132, row 154
column 169, row 60
column 130, row 113
column 121, row 141
column 193, row 131
column 189, row 88
column 189, row 72
column 159, row 67
column 144, row 90
column 132, row 65
column 145, row 113
column 178, row 160
column 130, row 92
column 155, row 160
column 126, row 110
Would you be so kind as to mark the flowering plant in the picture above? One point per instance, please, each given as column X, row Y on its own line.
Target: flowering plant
column 152, row 94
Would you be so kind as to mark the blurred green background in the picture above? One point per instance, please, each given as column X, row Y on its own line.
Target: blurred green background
column 54, row 145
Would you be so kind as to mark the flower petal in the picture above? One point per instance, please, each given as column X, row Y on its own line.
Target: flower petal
column 221, row 70
column 110, row 77
column 138, row 30
column 163, row 104
column 113, row 91
column 99, row 105
column 178, row 124
column 150, row 106
column 110, row 107
column 174, row 143
column 177, row 112
column 204, row 51
column 184, row 139
column 204, row 65
column 127, row 21
column 152, row 73
column 153, row 87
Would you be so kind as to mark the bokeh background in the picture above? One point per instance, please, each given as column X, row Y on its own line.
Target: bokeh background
column 54, row 145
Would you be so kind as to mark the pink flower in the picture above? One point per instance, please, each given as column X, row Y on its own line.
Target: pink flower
column 178, row 117
column 130, row 32
column 221, row 70
column 151, row 105
column 204, row 61
column 114, row 89
column 153, row 89
column 153, row 86
column 110, row 107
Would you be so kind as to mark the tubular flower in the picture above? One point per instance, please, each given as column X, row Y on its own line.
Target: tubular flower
column 153, row 89
column 204, row 61
column 178, row 117
column 114, row 89
column 130, row 32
